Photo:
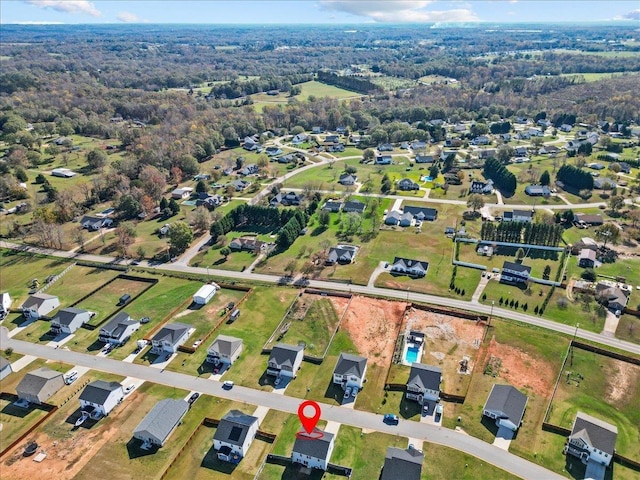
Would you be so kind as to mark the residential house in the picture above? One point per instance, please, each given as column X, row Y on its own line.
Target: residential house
column 288, row 158
column 505, row 137
column 487, row 153
column 521, row 159
column 453, row 142
column 481, row 140
column 524, row 135
column 394, row 217
column 604, row 183
column 285, row 360
column 624, row 167
column 5, row 304
column 68, row 320
column 247, row 244
column 39, row 385
column 407, row 266
column 249, row 170
column 299, row 138
column 332, row 139
column 543, row 122
column 424, row 159
column 593, row 220
column 402, row 464
column 39, row 304
column 354, row 206
column 447, row 154
column 234, row 436
column 341, row 130
column 95, row 223
column 424, row 383
column 251, row 144
column 548, row 150
column 350, row 371
column 506, row 405
column 385, row 147
column 422, row 213
column 285, row 199
column 224, row 350
column 169, row 338
column 347, row 179
column 119, row 329
column 240, row 185
column 595, row 166
column 313, row 450
column 273, row 151
column 616, row 298
column 535, row 132
column 63, row 173
column 317, row 130
column 518, row 216
column 406, row 184
column 202, row 176
column 537, row 191
column 383, row 160
column 100, row 397
column 5, row 368
column 205, row 293
column 332, row 206
column 592, row 440
column 181, row 193
column 342, row 254
column 520, row 151
column 565, row 127
column 161, row 421
column 514, row 273
column 418, row 145
column 478, row 186
column 208, row 200
column 449, row 231
column 587, row 258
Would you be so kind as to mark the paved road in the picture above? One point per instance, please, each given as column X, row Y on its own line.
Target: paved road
column 366, row 290
column 443, row 436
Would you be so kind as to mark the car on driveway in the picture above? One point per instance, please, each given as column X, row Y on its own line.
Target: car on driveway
column 390, row 419
column 145, row 320
column 227, row 384
column 70, row 377
column 193, row 398
column 129, row 389
column 347, row 392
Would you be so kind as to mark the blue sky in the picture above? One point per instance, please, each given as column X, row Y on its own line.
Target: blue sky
column 316, row 11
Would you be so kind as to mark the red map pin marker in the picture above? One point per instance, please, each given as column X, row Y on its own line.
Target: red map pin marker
column 309, row 422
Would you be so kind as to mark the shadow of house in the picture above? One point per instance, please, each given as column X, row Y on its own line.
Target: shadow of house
column 335, row 392
column 134, row 450
column 212, row 462
column 409, row 408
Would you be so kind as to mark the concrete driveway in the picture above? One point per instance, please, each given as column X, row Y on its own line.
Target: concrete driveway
column 503, row 438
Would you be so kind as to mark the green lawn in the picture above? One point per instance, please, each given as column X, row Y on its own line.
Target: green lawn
column 78, row 282
column 443, row 463
column 105, row 301
column 629, row 328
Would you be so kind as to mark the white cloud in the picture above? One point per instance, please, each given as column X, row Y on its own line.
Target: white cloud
column 68, row 6
column 399, row 11
column 128, row 17
column 633, row 15
column 513, row 1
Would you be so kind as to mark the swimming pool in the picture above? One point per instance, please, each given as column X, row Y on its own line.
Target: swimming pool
column 412, row 354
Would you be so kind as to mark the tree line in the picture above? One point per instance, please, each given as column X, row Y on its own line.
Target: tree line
column 575, row 177
column 502, row 178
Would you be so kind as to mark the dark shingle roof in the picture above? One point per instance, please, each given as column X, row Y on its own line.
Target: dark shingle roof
column 99, row 391
column 36, row 300
column 350, row 365
column 595, row 432
column 68, row 315
column 34, row 381
column 3, row 363
column 162, row 418
column 233, row 427
column 315, row 446
column 508, row 402
column 420, row 212
column 284, row 354
column 402, row 464
column 425, row 376
column 225, row 345
column 171, row 332
column 516, row 267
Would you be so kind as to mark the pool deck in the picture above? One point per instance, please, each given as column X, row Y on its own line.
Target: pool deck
column 405, row 349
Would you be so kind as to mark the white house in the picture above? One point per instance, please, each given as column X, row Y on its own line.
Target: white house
column 407, row 266
column 224, row 349
column 63, row 173
column 169, row 338
column 514, row 273
column 592, row 440
column 506, row 405
column 181, row 193
column 39, row 305
column 350, row 371
column 204, row 294
column 161, row 421
column 68, row 320
column 285, row 360
column 518, row 216
column 5, row 304
column 234, row 435
column 424, row 383
column 5, row 368
column 119, row 329
column 100, row 397
column 313, row 450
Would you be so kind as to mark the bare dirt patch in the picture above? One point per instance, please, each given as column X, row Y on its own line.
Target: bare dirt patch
column 621, row 379
column 373, row 326
column 521, row 369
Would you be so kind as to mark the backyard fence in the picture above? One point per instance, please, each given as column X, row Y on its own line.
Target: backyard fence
column 56, row 278
column 51, row 410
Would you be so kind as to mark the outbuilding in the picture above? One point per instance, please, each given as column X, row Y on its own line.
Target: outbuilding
column 204, row 294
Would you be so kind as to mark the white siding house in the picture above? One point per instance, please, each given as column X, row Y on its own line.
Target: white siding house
column 285, row 360
column 68, row 320
column 350, row 371
column 224, row 350
column 592, row 440
column 100, row 397
column 313, row 450
column 506, row 405
column 424, row 383
column 169, row 338
column 5, row 304
column 39, row 305
column 161, row 421
column 234, row 436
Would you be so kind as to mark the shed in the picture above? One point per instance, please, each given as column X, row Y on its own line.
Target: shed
column 204, row 294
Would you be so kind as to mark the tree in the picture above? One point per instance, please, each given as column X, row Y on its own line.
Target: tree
column 434, row 171
column 291, row 267
column 369, row 154
column 519, row 254
column 239, row 163
column 200, row 218
column 21, row 175
column 128, row 207
column 609, row 232
column 475, row 202
column 546, row 272
column 545, row 178
column 125, row 236
column 96, row 159
column 153, row 181
column 180, row 237
column 589, row 275
column 174, row 207
column 225, row 252
column 202, row 187
column 616, row 203
column 324, row 218
column 164, row 203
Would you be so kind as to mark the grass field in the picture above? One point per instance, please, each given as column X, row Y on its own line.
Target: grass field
column 78, row 282
column 105, row 301
column 312, row 88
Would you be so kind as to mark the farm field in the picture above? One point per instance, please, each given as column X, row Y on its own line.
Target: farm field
column 312, row 88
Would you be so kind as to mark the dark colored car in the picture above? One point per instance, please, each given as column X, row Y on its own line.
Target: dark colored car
column 193, row 398
column 145, row 320
column 391, row 419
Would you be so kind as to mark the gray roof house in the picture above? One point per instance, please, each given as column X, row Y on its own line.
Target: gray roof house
column 506, row 405
column 424, row 383
column 342, row 254
column 313, row 451
column 518, row 216
column 347, row 179
column 39, row 385
column 234, row 435
column 95, row 223
column 224, row 349
column 161, row 421
column 402, row 464
column 592, row 440
column 407, row 184
column 285, row 360
column 100, row 397
column 354, row 206
column 118, row 329
column 332, row 205
column 393, row 218
column 5, row 368
column 424, row 159
column 68, row 320
column 537, row 190
column 409, row 266
column 478, row 186
column 169, row 338
column 422, row 213
column 616, row 298
column 39, row 305
column 514, row 273
column 350, row 371
column 285, row 199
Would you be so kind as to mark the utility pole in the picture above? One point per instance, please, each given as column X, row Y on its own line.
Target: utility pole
column 575, row 333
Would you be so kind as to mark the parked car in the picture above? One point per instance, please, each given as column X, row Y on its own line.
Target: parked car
column 129, row 389
column 196, row 343
column 347, row 392
column 70, row 377
column 227, row 384
column 354, row 392
column 193, row 398
column 439, row 410
column 145, row 320
column 391, row 419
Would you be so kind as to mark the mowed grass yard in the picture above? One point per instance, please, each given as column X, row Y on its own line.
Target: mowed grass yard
column 530, row 344
column 609, row 390
column 123, row 458
column 105, row 301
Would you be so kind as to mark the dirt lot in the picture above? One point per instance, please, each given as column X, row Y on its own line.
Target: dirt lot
column 66, row 455
column 449, row 340
column 373, row 326
column 521, row 369
column 621, row 381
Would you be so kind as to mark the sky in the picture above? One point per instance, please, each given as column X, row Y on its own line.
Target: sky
column 317, row 11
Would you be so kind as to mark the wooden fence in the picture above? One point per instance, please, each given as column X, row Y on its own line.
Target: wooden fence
column 51, row 410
